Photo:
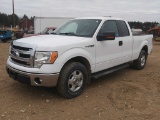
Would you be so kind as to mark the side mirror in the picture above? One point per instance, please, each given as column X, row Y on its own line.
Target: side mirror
column 106, row 36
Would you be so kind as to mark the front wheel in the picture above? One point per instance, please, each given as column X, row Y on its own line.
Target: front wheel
column 73, row 79
column 141, row 61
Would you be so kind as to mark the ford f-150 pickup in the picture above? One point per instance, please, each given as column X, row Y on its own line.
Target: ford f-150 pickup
column 79, row 50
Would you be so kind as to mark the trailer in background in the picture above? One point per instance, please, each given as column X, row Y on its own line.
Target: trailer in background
column 40, row 23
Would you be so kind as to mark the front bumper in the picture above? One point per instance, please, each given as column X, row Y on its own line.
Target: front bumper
column 35, row 79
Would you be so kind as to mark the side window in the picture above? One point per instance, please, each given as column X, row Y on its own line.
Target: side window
column 123, row 28
column 110, row 26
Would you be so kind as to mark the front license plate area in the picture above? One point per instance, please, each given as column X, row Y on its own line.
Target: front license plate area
column 12, row 74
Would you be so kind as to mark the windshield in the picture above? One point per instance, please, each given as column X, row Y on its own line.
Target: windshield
column 50, row 31
column 44, row 31
column 79, row 27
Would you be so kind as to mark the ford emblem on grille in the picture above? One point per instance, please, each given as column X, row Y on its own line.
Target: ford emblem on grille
column 15, row 53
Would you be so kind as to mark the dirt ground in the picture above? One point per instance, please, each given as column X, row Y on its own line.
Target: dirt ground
column 124, row 95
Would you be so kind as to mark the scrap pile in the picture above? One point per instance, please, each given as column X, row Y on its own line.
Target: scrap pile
column 156, row 32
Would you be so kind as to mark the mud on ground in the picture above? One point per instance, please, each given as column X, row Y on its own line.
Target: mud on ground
column 124, row 95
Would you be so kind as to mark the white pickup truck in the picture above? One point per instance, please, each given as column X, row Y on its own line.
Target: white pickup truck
column 79, row 50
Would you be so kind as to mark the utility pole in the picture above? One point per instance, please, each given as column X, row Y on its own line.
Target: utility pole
column 13, row 14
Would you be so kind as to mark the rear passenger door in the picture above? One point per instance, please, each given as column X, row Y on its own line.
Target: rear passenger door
column 127, row 40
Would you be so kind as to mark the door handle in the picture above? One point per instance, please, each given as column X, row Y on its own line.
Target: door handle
column 120, row 43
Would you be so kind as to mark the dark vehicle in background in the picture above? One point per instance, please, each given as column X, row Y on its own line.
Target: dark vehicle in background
column 5, row 35
column 47, row 30
column 18, row 34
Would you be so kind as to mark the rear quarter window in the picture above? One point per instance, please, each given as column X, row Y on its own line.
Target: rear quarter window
column 123, row 28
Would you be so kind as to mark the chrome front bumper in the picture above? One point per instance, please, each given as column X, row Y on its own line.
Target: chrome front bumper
column 35, row 79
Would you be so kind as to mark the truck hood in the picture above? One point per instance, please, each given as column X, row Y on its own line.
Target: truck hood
column 46, row 42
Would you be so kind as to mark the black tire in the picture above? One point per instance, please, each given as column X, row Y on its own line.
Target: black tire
column 73, row 79
column 140, row 63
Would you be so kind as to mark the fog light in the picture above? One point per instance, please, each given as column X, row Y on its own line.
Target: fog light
column 38, row 80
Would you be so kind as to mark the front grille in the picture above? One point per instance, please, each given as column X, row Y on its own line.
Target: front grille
column 20, row 62
column 22, row 55
column 21, row 48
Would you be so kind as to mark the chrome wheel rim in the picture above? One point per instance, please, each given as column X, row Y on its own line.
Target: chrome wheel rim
column 143, row 60
column 75, row 81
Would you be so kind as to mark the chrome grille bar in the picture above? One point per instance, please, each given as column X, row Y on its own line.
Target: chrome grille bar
column 23, row 56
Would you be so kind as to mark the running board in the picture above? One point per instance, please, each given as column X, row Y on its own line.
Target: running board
column 108, row 71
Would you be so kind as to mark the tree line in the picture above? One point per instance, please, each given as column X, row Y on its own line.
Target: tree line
column 7, row 21
column 145, row 26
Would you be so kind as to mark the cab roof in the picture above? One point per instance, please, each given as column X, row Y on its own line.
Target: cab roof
column 101, row 18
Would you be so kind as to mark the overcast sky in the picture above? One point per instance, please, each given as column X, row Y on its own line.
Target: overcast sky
column 131, row 10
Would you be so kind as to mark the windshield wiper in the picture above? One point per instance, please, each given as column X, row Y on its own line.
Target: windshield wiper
column 69, row 33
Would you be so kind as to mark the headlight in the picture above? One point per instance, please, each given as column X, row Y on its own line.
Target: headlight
column 44, row 58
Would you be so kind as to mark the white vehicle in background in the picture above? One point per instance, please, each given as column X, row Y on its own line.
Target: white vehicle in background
column 81, row 49
column 40, row 23
column 137, row 32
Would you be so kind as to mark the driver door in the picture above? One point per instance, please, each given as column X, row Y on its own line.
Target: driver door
column 108, row 52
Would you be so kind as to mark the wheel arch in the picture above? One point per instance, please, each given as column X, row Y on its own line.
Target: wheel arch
column 145, row 48
column 81, row 60
column 77, row 55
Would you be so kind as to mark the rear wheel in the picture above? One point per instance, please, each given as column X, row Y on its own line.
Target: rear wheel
column 141, row 61
column 73, row 79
